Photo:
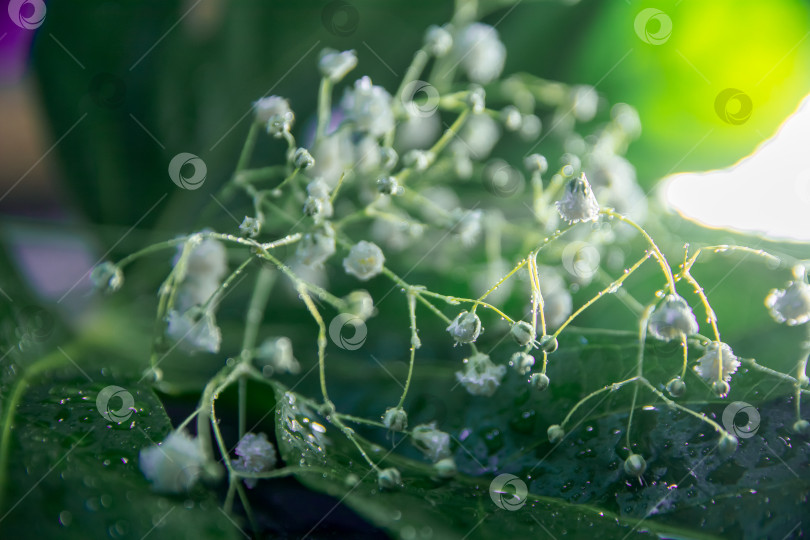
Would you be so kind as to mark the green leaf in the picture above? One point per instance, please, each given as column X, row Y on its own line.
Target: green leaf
column 74, row 474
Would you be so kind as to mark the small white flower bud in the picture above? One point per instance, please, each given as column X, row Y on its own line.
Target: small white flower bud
column 672, row 319
column 250, row 227
column 107, row 277
column 319, row 203
column 420, row 160
column 369, row 107
column 802, row 427
column 275, row 113
column 790, row 305
column 717, row 364
column 334, row 65
column 445, row 468
column 539, row 381
column 584, row 102
column 477, row 99
column 523, row 332
column 275, row 355
column 389, row 478
column 465, row 328
column 395, row 419
column 555, row 433
column 480, row 377
column 536, row 162
column 302, row 159
column 549, row 344
column 481, row 52
column 388, row 185
column 175, row 465
column 365, row 260
column 721, row 388
column 388, row 158
column 438, row 40
column 360, row 304
column 511, row 118
column 676, row 387
column 522, row 362
column 317, row 246
column 578, row 202
column 530, row 127
column 635, row 465
column 435, row 444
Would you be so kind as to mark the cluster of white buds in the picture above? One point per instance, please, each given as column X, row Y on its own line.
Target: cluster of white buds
column 673, row 319
column 365, row 260
column 790, row 305
column 275, row 113
column 334, row 65
column 465, row 328
column 256, row 455
column 717, row 365
column 316, row 246
column 175, row 465
column 578, row 202
column 522, row 362
column 275, row 355
column 107, row 277
column 480, row 376
column 318, row 203
column 369, row 107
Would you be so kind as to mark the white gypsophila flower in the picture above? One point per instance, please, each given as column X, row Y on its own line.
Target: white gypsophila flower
column 790, row 305
column 479, row 135
column 467, row 225
column 584, row 102
column 334, row 155
column 578, row 202
column 334, row 65
column 438, row 40
column 417, row 132
column 302, row 159
column 435, row 444
column 557, row 301
column 672, row 319
column 207, row 259
column 365, row 260
column 480, row 52
column 194, row 331
column 276, row 355
column 316, row 246
column 250, row 227
column 465, row 328
column 319, row 202
column 275, row 113
column 369, row 106
column 256, row 455
column 175, row 465
column 718, row 362
column 106, row 277
column 480, row 376
column 367, row 155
